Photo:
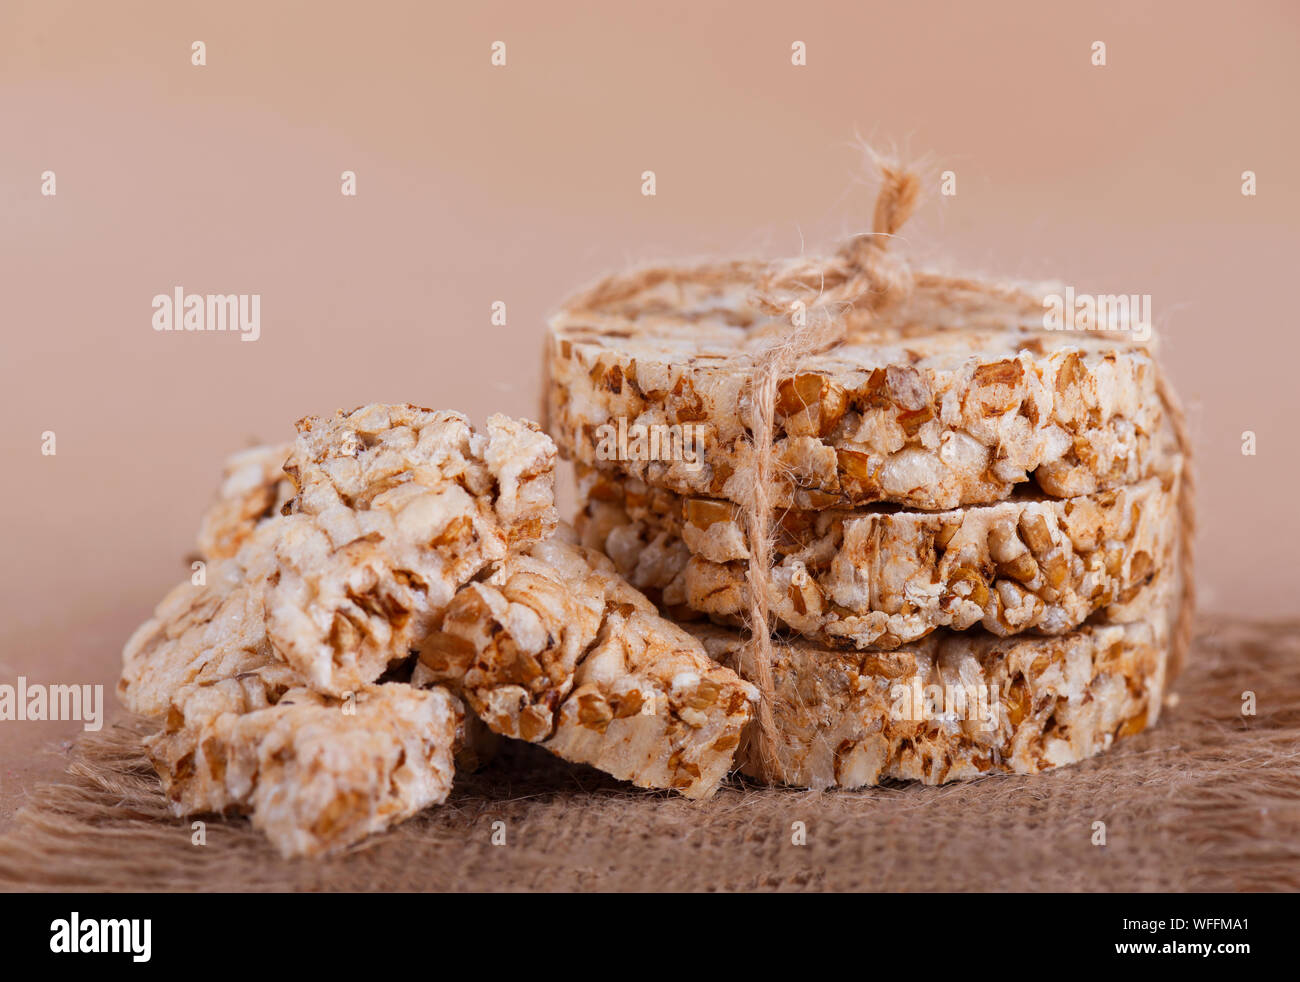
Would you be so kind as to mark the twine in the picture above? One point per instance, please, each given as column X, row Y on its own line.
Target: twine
column 864, row 277
column 827, row 298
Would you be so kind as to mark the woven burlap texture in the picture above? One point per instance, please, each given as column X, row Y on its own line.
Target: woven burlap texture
column 1207, row 800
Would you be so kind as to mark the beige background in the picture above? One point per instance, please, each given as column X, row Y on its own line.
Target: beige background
column 522, row 183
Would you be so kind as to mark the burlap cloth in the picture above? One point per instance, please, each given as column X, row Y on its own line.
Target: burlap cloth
column 1207, row 800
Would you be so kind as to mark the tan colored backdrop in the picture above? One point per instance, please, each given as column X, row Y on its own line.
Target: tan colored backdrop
column 522, row 183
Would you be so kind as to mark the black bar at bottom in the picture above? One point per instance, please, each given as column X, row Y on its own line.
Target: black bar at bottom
column 610, row 933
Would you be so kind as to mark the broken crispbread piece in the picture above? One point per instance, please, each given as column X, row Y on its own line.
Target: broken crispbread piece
column 205, row 633
column 316, row 774
column 254, row 487
column 395, row 508
column 351, row 459
column 557, row 649
column 339, row 564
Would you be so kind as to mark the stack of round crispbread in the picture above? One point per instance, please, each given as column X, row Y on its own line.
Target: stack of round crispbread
column 978, row 526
